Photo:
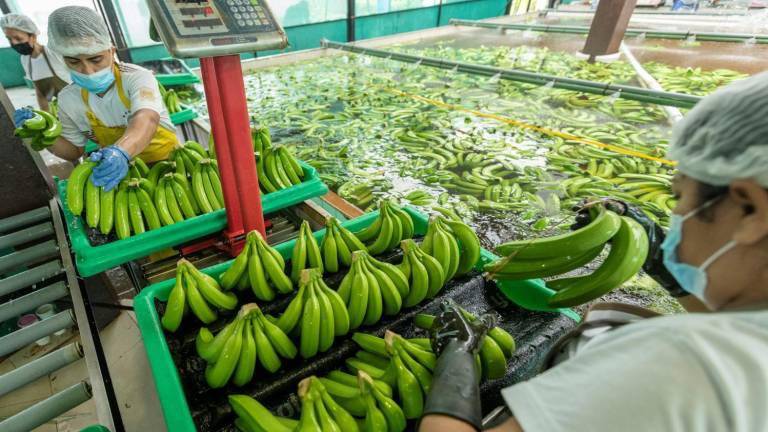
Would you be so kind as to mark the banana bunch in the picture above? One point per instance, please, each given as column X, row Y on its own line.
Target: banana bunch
column 173, row 199
column 392, row 226
column 550, row 256
column 419, row 197
column 206, row 186
column 424, row 273
column 527, row 259
column 259, row 266
column 171, row 101
column 232, row 354
column 372, row 289
column 134, row 209
column 337, row 246
column 198, row 291
column 453, row 243
column 317, row 313
column 691, row 80
column 382, row 414
column 320, row 412
column 360, row 194
column 255, row 417
column 278, row 169
column 647, row 188
column 344, row 388
column 651, row 192
column 261, row 139
column 186, row 156
column 306, row 253
column 496, row 349
column 402, row 363
column 629, row 249
column 43, row 129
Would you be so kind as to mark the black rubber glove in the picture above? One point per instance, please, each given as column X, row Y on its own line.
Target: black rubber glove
column 654, row 263
column 455, row 391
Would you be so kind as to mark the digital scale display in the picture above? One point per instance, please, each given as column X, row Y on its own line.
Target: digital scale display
column 197, row 28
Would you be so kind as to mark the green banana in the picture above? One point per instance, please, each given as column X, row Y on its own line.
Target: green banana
column 602, row 228
column 247, row 361
column 255, row 414
column 267, row 355
column 76, row 186
column 217, row 375
column 327, row 322
column 175, row 307
column 629, row 248
column 92, row 204
column 310, row 324
column 197, row 303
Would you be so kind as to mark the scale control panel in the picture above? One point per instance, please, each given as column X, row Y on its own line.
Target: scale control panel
column 206, row 28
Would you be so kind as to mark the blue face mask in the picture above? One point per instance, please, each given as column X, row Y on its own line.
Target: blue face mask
column 97, row 82
column 692, row 279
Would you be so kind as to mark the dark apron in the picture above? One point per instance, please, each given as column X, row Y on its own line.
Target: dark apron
column 48, row 87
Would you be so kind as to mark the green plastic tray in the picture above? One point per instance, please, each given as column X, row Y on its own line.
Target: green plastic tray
column 531, row 294
column 91, row 259
column 169, row 80
column 184, row 115
column 183, row 78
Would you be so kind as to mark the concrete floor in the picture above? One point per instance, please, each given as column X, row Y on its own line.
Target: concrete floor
column 123, row 347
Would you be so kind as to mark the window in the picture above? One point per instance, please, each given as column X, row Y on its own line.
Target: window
column 297, row 12
column 370, row 7
column 134, row 21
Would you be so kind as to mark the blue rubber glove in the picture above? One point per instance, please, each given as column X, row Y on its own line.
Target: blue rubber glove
column 21, row 115
column 112, row 167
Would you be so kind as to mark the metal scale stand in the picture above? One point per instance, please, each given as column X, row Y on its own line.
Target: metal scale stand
column 217, row 31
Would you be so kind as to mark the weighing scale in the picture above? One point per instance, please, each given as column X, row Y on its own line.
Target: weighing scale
column 217, row 31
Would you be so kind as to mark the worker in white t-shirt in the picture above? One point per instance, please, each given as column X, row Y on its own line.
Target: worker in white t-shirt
column 43, row 67
column 623, row 371
column 117, row 105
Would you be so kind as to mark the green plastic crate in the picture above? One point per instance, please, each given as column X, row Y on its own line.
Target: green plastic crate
column 531, row 294
column 168, row 80
column 91, row 259
column 183, row 116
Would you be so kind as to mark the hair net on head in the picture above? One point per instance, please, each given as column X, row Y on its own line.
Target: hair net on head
column 19, row 22
column 77, row 30
column 725, row 136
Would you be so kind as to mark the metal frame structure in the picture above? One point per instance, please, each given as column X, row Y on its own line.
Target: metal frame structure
column 58, row 263
column 652, row 34
column 623, row 91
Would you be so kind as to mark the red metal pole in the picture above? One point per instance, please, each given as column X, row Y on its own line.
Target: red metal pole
column 238, row 129
column 235, row 226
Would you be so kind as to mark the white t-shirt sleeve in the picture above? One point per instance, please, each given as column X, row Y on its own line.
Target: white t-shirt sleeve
column 24, row 59
column 143, row 91
column 644, row 380
column 70, row 130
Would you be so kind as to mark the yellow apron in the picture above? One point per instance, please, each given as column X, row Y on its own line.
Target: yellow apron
column 158, row 149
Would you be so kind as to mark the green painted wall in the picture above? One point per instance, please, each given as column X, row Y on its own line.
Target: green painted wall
column 309, row 35
column 11, row 74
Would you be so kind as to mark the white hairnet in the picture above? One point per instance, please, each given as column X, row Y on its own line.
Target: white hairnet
column 19, row 22
column 77, row 30
column 725, row 136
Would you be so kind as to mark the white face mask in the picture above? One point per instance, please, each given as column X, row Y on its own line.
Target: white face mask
column 691, row 279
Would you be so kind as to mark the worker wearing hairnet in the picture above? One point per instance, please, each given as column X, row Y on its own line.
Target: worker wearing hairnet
column 629, row 369
column 42, row 66
column 117, row 105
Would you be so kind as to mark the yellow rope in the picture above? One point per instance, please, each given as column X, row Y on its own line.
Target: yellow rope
column 546, row 131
